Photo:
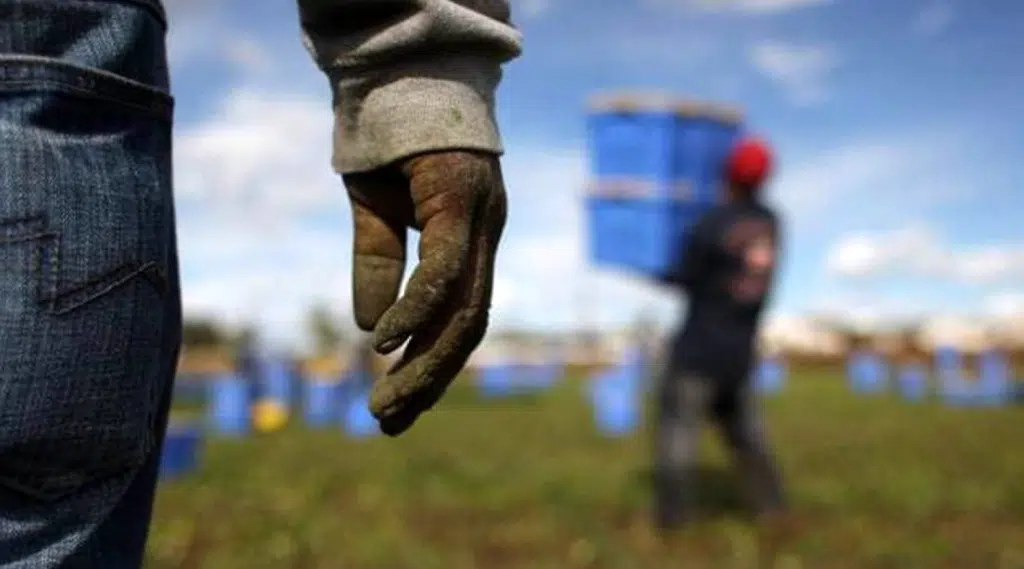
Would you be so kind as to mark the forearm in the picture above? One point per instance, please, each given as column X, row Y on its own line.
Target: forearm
column 410, row 76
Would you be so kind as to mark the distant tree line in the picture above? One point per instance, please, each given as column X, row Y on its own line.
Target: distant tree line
column 323, row 326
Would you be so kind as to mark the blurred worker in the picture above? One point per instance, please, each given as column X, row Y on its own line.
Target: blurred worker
column 90, row 323
column 726, row 271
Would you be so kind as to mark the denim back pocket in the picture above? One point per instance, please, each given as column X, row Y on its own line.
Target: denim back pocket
column 86, row 246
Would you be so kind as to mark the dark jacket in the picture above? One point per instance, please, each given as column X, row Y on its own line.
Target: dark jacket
column 726, row 269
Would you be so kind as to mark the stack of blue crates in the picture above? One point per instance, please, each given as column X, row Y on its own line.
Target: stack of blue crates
column 655, row 167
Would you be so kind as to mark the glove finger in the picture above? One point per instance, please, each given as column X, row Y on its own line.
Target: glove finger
column 378, row 260
column 446, row 190
column 433, row 359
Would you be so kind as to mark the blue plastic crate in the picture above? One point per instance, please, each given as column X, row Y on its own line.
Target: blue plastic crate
column 867, row 372
column 633, row 146
column 948, row 361
column 913, row 382
column 230, row 399
column 322, row 402
column 643, row 236
column 496, row 380
column 770, row 375
column 278, row 380
column 655, row 169
column 357, row 421
column 616, row 402
column 181, row 449
column 668, row 150
column 994, row 378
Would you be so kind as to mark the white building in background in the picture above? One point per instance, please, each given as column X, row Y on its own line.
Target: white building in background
column 1008, row 332
column 969, row 335
column 802, row 335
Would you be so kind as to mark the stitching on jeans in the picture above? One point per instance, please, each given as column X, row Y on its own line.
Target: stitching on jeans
column 46, row 268
column 160, row 110
column 65, row 301
column 20, row 72
column 28, row 67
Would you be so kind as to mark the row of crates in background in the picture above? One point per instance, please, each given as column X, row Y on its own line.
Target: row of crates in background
column 617, row 394
column 992, row 383
column 236, row 406
column 656, row 165
column 233, row 409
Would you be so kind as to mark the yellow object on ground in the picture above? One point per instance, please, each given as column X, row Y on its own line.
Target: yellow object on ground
column 269, row 416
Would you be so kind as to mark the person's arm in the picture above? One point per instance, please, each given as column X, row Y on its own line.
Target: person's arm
column 410, row 76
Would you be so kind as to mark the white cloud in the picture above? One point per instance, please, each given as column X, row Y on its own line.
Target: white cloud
column 263, row 225
column 800, row 70
column 893, row 172
column 836, row 173
column 272, row 287
column 210, row 31
column 911, row 249
column 918, row 252
column 934, row 19
column 750, row 7
column 1005, row 304
column 262, row 158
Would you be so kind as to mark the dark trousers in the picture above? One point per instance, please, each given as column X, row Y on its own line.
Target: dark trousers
column 685, row 400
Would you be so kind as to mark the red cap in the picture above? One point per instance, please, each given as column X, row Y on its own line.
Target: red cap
column 749, row 163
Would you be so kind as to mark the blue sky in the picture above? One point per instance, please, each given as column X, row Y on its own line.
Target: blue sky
column 894, row 122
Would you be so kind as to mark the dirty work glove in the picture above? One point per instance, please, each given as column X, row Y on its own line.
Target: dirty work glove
column 457, row 201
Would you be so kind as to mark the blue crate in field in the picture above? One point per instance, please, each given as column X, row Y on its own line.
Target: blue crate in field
column 322, row 401
column 867, row 372
column 949, row 362
column 180, row 455
column 278, row 380
column 357, row 421
column 230, row 399
column 655, row 168
column 496, row 380
column 616, row 402
column 912, row 382
column 994, row 378
column 770, row 375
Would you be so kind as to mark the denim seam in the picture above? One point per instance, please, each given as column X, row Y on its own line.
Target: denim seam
column 46, row 268
column 65, row 301
column 24, row 72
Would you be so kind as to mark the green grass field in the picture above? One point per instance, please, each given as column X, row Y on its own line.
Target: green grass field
column 529, row 483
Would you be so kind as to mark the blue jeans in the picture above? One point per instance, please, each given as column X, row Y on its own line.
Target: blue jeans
column 90, row 317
